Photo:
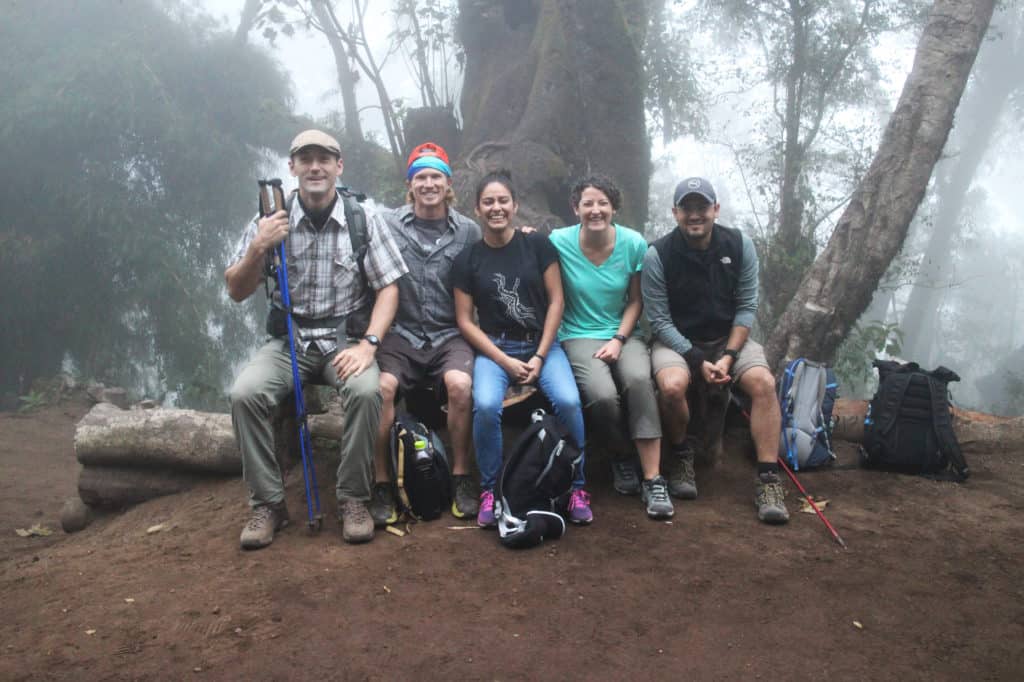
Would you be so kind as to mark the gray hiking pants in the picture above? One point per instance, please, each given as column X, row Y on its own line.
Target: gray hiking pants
column 260, row 387
column 609, row 390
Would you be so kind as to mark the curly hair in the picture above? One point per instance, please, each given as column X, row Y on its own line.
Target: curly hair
column 601, row 183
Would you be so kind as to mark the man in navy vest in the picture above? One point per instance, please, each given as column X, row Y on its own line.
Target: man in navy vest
column 699, row 287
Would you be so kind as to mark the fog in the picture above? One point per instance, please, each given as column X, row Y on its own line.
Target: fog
column 954, row 297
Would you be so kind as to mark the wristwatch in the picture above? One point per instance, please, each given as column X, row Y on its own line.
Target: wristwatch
column 731, row 353
column 621, row 338
column 372, row 340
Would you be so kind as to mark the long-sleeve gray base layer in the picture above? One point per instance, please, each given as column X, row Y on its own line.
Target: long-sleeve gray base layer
column 265, row 382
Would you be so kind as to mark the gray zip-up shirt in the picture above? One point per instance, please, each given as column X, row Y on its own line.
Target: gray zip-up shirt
column 426, row 304
column 655, row 295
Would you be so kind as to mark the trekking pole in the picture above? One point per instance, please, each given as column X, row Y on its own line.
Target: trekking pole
column 810, row 501
column 316, row 519
column 796, row 482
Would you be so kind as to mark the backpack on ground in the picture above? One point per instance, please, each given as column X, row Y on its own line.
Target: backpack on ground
column 419, row 470
column 537, row 472
column 807, row 394
column 909, row 425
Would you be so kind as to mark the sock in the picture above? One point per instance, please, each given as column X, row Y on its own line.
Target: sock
column 768, row 468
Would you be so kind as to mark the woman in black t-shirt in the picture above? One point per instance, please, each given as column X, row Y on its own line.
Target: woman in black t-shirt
column 514, row 281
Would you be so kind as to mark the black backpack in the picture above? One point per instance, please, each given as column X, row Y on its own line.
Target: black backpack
column 536, row 475
column 421, row 478
column 909, row 425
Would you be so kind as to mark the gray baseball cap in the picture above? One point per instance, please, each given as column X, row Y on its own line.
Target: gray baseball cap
column 695, row 185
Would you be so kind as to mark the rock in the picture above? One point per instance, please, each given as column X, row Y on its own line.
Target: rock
column 115, row 396
column 75, row 515
column 147, row 404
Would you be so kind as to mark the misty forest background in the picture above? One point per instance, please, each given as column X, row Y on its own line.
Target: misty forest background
column 132, row 133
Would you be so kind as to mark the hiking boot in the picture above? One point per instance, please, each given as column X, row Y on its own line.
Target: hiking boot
column 682, row 482
column 356, row 522
column 266, row 520
column 382, row 505
column 624, row 476
column 579, row 507
column 485, row 516
column 770, row 499
column 464, row 500
column 655, row 496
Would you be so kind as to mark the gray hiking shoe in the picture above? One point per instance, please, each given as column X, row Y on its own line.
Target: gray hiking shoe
column 654, row 494
column 466, row 498
column 682, row 482
column 770, row 499
column 624, row 477
column 266, row 520
column 356, row 523
column 382, row 505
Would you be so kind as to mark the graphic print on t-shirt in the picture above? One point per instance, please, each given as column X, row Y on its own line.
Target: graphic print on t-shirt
column 514, row 309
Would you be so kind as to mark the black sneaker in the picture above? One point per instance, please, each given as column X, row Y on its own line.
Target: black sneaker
column 624, row 476
column 682, row 481
column 771, row 499
column 654, row 494
column 382, row 504
column 465, row 498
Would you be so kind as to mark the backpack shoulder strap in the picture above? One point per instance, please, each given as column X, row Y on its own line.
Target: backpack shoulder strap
column 893, row 390
column 942, row 422
column 358, row 231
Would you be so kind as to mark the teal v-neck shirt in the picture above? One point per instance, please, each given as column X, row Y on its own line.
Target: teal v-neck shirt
column 595, row 295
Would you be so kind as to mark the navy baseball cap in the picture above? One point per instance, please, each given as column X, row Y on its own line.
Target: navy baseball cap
column 695, row 185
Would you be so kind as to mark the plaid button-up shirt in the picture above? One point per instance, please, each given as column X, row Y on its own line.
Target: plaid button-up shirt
column 426, row 304
column 323, row 275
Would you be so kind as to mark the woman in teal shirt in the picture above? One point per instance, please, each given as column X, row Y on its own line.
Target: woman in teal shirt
column 601, row 264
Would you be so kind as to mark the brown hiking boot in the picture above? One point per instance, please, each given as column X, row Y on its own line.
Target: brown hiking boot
column 771, row 499
column 266, row 520
column 682, row 481
column 356, row 522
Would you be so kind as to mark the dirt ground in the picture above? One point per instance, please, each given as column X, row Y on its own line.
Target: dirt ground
column 930, row 588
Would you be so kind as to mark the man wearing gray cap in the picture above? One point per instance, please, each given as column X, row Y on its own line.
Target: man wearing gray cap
column 699, row 286
column 338, row 323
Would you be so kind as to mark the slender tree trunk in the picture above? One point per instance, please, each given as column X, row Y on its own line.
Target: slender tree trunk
column 346, row 78
column 250, row 11
column 984, row 103
column 871, row 231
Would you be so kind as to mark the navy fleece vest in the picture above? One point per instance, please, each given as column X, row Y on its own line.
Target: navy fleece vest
column 702, row 284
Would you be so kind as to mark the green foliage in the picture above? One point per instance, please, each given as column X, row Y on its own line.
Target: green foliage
column 862, row 346
column 129, row 148
column 673, row 97
column 32, row 401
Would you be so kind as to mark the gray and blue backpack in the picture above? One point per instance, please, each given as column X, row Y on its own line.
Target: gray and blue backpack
column 807, row 394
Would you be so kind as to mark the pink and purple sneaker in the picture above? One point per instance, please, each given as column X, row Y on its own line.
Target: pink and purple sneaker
column 579, row 507
column 485, row 517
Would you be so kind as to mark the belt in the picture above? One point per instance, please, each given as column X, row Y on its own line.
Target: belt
column 523, row 335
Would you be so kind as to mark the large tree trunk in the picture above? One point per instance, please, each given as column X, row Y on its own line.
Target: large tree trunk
column 554, row 91
column 346, row 77
column 871, row 231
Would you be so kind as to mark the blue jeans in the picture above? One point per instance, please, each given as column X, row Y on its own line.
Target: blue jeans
column 489, row 384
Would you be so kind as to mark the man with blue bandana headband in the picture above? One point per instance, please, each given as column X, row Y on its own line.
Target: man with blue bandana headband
column 424, row 347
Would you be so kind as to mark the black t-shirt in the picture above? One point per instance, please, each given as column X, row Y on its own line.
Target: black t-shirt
column 507, row 283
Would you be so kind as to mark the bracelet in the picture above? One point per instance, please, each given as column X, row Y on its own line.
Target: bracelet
column 538, row 355
column 734, row 354
column 620, row 338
